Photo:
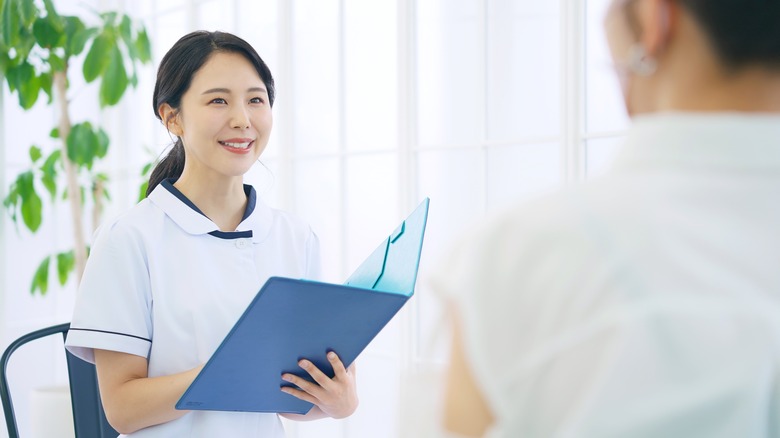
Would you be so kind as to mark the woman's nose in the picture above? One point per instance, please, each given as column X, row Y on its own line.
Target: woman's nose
column 239, row 118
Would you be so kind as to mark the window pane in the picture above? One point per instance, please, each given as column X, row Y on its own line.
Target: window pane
column 454, row 180
column 257, row 24
column 449, row 75
column 378, row 392
column 216, row 15
column 170, row 27
column 372, row 205
column 517, row 173
column 604, row 101
column 523, row 83
column 316, row 76
column 600, row 154
column 371, row 77
column 317, row 200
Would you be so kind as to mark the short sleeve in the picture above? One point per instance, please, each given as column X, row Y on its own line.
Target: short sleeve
column 114, row 302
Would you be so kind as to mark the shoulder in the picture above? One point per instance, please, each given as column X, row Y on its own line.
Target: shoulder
column 576, row 216
column 141, row 220
column 544, row 243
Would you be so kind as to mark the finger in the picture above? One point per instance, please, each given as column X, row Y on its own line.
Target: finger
column 337, row 364
column 303, row 384
column 305, row 396
column 318, row 376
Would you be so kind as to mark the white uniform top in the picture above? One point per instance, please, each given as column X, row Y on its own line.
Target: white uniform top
column 645, row 303
column 162, row 282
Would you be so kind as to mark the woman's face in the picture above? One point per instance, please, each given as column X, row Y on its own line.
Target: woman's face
column 225, row 118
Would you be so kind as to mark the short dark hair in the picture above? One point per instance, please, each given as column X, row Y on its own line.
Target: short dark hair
column 743, row 33
column 174, row 76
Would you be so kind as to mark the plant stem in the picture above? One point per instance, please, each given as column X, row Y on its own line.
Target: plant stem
column 74, row 191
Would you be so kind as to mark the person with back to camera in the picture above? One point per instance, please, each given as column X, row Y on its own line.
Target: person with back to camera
column 166, row 281
column 644, row 303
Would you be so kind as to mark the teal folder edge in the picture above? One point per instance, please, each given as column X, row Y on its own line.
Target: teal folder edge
column 290, row 319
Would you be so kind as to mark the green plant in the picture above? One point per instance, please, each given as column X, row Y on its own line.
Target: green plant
column 38, row 47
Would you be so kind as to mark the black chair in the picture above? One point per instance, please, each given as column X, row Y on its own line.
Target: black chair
column 89, row 420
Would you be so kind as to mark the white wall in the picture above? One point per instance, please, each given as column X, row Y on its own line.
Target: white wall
column 475, row 103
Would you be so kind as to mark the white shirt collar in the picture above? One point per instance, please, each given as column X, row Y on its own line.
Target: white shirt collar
column 708, row 141
column 255, row 224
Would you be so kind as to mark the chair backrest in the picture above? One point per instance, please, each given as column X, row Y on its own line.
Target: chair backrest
column 89, row 420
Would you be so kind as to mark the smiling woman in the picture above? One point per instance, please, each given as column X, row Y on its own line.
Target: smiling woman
column 166, row 281
column 223, row 131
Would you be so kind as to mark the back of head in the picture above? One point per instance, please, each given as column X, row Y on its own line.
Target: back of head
column 174, row 76
column 743, row 33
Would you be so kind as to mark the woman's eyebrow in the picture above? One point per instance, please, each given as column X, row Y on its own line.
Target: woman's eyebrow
column 227, row 91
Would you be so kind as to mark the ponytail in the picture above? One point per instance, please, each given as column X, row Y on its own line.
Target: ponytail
column 170, row 166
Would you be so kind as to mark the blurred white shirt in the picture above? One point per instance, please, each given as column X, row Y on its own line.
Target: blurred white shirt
column 645, row 303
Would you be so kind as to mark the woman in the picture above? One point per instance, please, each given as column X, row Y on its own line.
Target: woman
column 166, row 281
column 645, row 303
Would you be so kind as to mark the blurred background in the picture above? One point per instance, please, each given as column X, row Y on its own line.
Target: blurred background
column 474, row 103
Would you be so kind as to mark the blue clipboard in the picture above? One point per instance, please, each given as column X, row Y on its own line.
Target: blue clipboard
column 290, row 319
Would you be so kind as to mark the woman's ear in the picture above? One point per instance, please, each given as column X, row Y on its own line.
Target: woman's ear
column 656, row 21
column 170, row 119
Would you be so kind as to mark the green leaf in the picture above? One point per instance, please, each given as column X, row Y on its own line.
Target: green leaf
column 77, row 36
column 32, row 207
column 66, row 261
column 5, row 60
column 147, row 167
column 114, row 81
column 28, row 11
column 98, row 57
column 29, row 91
column 142, row 190
column 41, row 278
column 10, row 76
column 47, row 33
column 11, row 201
column 102, row 144
column 55, row 133
column 26, row 83
column 35, row 153
column 46, row 84
column 25, row 43
column 3, row 43
column 50, row 10
column 49, row 170
column 143, row 46
column 10, row 23
column 126, row 32
column 125, row 29
column 109, row 18
column 82, row 144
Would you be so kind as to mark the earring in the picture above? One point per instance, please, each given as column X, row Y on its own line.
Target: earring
column 640, row 62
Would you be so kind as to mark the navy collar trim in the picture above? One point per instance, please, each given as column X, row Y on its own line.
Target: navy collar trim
column 249, row 191
column 251, row 203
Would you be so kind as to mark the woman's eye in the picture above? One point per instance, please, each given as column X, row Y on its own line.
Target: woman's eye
column 218, row 100
column 256, row 100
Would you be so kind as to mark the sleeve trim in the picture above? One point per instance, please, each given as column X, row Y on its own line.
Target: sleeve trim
column 111, row 333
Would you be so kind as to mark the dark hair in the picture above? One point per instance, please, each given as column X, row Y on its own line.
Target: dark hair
column 743, row 33
column 174, row 76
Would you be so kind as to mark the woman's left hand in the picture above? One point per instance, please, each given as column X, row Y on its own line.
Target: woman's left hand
column 336, row 397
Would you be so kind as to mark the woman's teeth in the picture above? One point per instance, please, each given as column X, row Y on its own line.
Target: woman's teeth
column 236, row 145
